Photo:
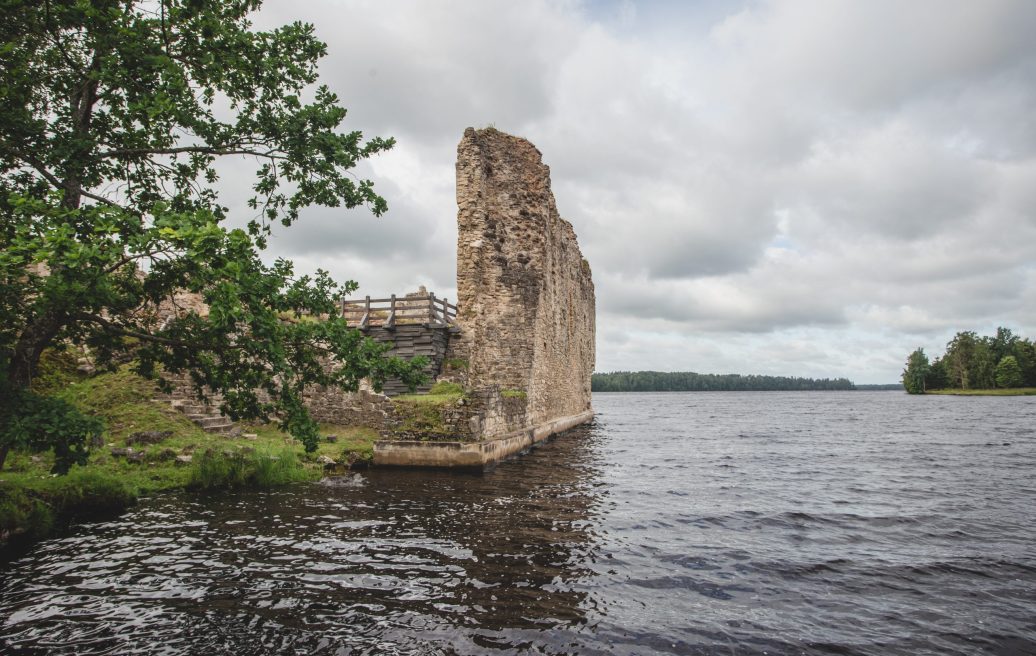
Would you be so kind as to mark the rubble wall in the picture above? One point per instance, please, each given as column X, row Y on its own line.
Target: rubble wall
column 526, row 295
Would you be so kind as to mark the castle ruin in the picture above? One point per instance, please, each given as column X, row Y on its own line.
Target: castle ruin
column 519, row 340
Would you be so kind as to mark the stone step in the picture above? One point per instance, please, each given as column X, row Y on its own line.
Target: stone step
column 208, row 421
column 198, row 409
column 223, row 429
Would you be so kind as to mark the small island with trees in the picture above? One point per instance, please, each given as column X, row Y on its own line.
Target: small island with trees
column 1002, row 365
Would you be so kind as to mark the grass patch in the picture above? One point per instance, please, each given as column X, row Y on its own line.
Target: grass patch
column 424, row 414
column 1010, row 391
column 513, row 394
column 57, row 370
column 445, row 387
column 456, row 363
column 354, row 445
column 32, row 501
column 262, row 469
column 440, row 394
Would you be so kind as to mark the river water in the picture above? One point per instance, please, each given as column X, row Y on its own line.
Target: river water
column 688, row 523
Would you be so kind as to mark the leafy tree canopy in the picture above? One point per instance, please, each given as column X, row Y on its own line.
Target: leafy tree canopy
column 1008, row 373
column 113, row 117
column 916, row 370
column 973, row 361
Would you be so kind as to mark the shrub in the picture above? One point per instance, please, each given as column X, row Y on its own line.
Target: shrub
column 40, row 423
column 444, row 387
column 236, row 469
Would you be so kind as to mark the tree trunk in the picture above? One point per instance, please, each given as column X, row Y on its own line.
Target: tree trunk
column 26, row 356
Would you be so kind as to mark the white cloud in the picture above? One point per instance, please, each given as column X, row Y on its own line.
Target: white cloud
column 796, row 187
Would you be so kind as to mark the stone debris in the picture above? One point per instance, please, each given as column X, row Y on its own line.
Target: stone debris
column 147, row 437
column 184, row 460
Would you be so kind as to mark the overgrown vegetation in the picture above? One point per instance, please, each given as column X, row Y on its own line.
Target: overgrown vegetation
column 229, row 469
column 32, row 499
column 425, row 414
column 115, row 116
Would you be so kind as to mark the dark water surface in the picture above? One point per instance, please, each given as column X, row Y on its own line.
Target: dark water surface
column 701, row 523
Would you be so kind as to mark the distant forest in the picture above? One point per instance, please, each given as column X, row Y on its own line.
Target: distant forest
column 688, row 381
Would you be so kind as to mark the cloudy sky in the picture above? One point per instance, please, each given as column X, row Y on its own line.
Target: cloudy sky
column 802, row 187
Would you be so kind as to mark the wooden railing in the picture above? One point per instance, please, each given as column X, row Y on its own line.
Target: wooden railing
column 390, row 312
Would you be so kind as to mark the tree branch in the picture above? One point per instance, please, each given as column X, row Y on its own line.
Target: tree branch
column 41, row 168
column 203, row 150
column 126, row 332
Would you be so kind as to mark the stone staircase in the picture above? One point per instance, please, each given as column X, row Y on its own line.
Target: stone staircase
column 205, row 415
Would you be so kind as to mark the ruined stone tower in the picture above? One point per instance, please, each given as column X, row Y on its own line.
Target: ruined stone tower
column 526, row 296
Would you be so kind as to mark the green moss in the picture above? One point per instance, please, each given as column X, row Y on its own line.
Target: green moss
column 513, row 394
column 432, row 400
column 57, row 370
column 456, row 363
column 444, row 387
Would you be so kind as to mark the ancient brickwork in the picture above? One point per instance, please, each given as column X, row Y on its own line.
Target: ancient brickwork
column 335, row 406
column 526, row 295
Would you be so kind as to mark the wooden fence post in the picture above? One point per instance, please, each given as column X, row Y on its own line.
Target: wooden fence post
column 365, row 322
column 390, row 323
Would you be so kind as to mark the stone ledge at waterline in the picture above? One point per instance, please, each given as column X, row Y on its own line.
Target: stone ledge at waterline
column 525, row 319
column 469, row 455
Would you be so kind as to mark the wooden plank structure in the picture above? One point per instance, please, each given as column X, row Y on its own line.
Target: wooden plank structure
column 416, row 324
column 389, row 312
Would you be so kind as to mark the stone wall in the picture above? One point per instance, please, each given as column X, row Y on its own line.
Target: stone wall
column 335, row 406
column 526, row 296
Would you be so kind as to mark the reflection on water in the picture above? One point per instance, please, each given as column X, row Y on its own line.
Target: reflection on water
column 378, row 561
column 849, row 523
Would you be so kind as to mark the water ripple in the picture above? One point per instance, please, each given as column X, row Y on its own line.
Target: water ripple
column 830, row 523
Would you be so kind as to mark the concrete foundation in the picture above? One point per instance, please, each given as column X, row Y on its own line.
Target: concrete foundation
column 470, row 455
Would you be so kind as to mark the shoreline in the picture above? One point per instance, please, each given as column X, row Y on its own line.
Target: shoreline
column 1010, row 391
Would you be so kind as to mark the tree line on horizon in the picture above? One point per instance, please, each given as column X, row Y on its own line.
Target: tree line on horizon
column 971, row 361
column 689, row 381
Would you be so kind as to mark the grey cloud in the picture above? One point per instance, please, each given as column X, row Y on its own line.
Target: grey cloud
column 419, row 70
column 808, row 188
column 890, row 181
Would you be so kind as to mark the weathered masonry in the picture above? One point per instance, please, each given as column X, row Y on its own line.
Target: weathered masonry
column 520, row 339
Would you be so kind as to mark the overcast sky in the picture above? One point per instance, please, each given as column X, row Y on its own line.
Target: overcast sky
column 809, row 188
